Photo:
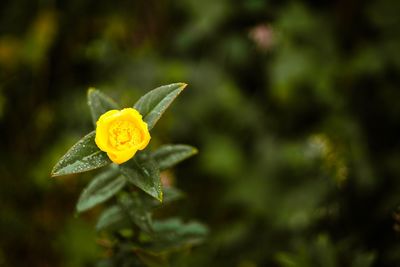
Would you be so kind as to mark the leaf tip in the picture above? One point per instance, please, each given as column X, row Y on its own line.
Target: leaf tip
column 160, row 196
column 183, row 85
column 79, row 208
column 91, row 90
column 54, row 172
column 57, row 170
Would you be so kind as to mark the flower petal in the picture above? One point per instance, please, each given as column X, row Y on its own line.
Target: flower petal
column 121, row 156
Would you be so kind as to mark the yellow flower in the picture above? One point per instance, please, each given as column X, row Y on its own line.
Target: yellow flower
column 121, row 133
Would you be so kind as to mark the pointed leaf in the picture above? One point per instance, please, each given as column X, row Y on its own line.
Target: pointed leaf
column 153, row 104
column 169, row 155
column 99, row 103
column 142, row 171
column 83, row 156
column 101, row 188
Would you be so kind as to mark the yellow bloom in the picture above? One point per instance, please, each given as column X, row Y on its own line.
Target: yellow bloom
column 121, row 133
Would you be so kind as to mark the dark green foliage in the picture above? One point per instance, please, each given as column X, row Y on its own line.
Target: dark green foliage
column 292, row 104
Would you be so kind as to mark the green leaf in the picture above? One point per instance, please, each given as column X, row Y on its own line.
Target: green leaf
column 99, row 103
column 135, row 207
column 153, row 104
column 363, row 259
column 174, row 234
column 101, row 188
column 286, row 259
column 132, row 208
column 105, row 263
column 169, row 155
column 151, row 259
column 142, row 171
column 83, row 156
column 138, row 211
column 112, row 218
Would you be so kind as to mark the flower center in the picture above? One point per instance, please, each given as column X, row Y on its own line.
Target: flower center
column 124, row 135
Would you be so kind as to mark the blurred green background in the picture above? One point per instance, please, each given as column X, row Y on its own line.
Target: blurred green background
column 294, row 106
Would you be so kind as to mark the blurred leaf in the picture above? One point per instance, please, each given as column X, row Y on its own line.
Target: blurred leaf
column 174, row 234
column 151, row 259
column 171, row 194
column 83, row 156
column 153, row 104
column 101, row 188
column 365, row 259
column 75, row 243
column 169, row 155
column 325, row 251
column 99, row 103
column 286, row 260
column 142, row 171
column 40, row 37
column 221, row 155
column 137, row 210
column 105, row 263
column 112, row 218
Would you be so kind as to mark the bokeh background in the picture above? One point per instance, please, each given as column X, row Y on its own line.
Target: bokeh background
column 294, row 106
